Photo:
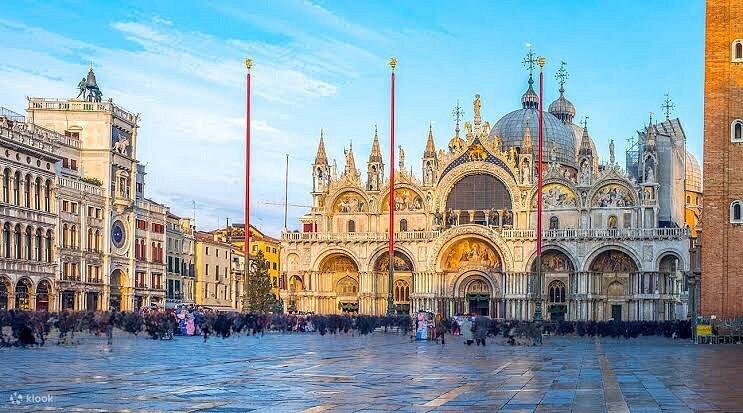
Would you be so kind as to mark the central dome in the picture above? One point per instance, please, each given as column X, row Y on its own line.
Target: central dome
column 511, row 128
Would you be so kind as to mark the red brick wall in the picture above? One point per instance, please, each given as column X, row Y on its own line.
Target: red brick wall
column 722, row 242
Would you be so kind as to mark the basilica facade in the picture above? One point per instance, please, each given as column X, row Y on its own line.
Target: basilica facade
column 615, row 243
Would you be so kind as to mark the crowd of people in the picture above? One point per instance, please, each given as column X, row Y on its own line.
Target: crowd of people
column 29, row 328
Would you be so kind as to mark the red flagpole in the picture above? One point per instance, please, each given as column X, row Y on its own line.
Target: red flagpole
column 390, row 302
column 540, row 163
column 246, row 246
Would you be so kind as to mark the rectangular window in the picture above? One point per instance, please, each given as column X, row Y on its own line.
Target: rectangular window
column 216, row 273
column 65, row 163
column 73, row 164
column 206, row 251
column 65, row 206
column 73, row 207
column 206, row 269
column 91, row 211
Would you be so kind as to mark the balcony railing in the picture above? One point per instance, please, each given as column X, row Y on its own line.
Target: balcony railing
column 527, row 234
column 81, row 105
column 80, row 186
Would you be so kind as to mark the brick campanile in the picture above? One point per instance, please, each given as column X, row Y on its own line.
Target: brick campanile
column 722, row 241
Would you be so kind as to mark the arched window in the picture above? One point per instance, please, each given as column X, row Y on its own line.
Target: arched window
column 37, row 245
column 73, row 236
column 27, row 192
column 28, row 241
column 98, row 240
column 554, row 223
column 65, row 236
column 738, row 50
column 90, row 239
column 48, row 196
column 403, row 225
column 736, row 212
column 6, row 240
column 557, row 292
column 6, row 185
column 17, row 189
column 17, row 241
column 736, row 131
column 351, row 227
column 402, row 290
column 37, row 193
column 48, row 246
column 154, row 252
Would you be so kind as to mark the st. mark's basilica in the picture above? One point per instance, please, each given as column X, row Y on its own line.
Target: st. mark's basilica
column 616, row 245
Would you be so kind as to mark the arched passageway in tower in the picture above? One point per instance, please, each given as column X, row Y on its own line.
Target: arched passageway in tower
column 117, row 281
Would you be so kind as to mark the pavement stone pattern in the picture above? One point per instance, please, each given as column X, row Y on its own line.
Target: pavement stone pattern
column 381, row 372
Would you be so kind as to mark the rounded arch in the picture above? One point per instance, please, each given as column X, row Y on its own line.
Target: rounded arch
column 43, row 295
column 401, row 291
column 342, row 257
column 292, row 260
column 296, row 284
column 612, row 193
column 23, row 290
column 469, row 281
column 5, row 289
column 613, row 258
column 554, row 259
column 470, row 251
column 556, row 194
column 736, row 50
column 470, row 230
column 664, row 255
column 556, row 291
column 118, row 278
column 403, row 261
column 347, row 200
column 456, row 174
column 408, row 198
column 346, row 286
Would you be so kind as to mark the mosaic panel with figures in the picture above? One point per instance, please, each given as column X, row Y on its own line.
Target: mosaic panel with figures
column 349, row 203
column 554, row 261
column 612, row 196
column 470, row 252
column 556, row 196
column 400, row 262
column 338, row 263
column 613, row 262
column 405, row 200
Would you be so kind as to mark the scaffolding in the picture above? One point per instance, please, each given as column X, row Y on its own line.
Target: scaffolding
column 10, row 115
column 633, row 154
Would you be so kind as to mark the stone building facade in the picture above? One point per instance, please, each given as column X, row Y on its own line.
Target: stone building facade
column 722, row 236
column 180, row 267
column 72, row 182
column 214, row 286
column 615, row 248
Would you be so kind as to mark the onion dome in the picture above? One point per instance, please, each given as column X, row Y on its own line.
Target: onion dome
column 530, row 99
column 562, row 108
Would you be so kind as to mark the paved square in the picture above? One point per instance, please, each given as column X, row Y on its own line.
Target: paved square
column 382, row 372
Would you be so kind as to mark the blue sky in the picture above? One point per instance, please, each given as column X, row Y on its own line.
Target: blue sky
column 323, row 65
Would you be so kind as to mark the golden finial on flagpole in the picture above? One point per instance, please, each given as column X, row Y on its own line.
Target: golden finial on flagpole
column 248, row 63
column 541, row 61
column 393, row 63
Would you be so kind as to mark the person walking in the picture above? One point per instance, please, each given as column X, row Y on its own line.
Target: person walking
column 466, row 328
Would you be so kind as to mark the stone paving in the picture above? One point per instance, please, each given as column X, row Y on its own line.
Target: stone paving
column 382, row 372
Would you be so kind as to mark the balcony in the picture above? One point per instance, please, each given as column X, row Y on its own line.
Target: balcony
column 79, row 186
column 508, row 234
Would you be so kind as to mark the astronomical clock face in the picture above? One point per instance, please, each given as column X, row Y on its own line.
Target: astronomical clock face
column 118, row 234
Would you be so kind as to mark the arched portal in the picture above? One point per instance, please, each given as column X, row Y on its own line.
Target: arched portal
column 403, row 275
column 339, row 274
column 473, row 197
column 43, row 294
column 554, row 261
column 470, row 252
column 4, row 292
column 475, row 294
column 23, row 294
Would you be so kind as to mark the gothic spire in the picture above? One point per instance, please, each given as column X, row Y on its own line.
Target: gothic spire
column 376, row 153
column 430, row 151
column 321, row 158
column 585, row 143
column 350, row 162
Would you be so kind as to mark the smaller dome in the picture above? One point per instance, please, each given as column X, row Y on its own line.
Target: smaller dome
column 693, row 173
column 563, row 109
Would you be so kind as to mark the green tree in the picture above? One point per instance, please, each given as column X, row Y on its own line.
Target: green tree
column 258, row 297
